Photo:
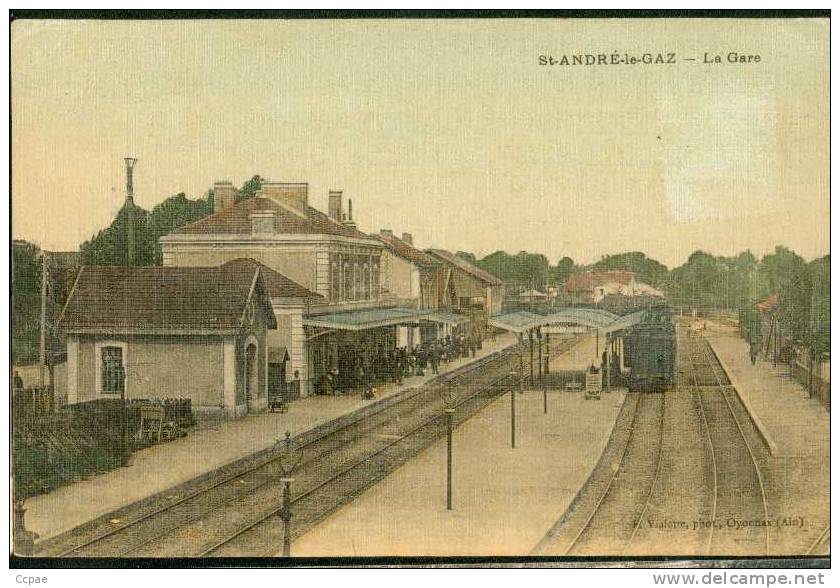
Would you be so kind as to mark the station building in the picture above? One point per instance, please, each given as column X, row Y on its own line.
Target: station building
column 470, row 291
column 165, row 332
column 362, row 301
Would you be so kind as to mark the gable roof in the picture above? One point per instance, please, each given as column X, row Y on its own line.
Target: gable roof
column 277, row 285
column 583, row 281
column 407, row 251
column 163, row 298
column 466, row 266
column 236, row 220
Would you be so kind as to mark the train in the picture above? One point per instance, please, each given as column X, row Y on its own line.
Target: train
column 651, row 350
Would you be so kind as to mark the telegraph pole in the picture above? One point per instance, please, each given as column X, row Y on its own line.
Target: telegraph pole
column 42, row 356
column 129, row 209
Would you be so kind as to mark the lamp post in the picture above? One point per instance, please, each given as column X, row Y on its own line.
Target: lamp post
column 24, row 540
column 513, row 408
column 288, row 461
column 125, row 450
column 449, row 402
column 547, row 353
column 531, row 348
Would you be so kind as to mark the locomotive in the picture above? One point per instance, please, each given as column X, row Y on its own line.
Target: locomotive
column 650, row 351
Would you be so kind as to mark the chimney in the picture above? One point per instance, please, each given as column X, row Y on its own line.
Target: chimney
column 386, row 232
column 335, row 205
column 408, row 238
column 349, row 222
column 293, row 195
column 224, row 196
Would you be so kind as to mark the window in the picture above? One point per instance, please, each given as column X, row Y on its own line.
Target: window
column 366, row 282
column 112, row 370
column 348, row 281
column 357, row 282
column 375, row 281
column 335, row 280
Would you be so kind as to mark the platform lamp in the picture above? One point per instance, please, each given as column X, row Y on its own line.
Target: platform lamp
column 540, row 370
column 288, row 460
column 450, row 402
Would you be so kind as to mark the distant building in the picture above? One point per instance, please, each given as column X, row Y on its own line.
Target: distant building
column 164, row 332
column 418, row 279
column 593, row 286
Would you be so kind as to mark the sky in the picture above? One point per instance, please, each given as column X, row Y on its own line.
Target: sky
column 450, row 130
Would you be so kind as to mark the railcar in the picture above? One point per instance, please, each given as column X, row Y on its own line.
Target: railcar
column 650, row 347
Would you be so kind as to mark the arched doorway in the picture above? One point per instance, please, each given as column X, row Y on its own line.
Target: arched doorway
column 251, row 374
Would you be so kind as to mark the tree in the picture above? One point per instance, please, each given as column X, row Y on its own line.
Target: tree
column 111, row 247
column 26, row 275
column 560, row 273
column 173, row 213
column 466, row 256
column 646, row 270
column 250, row 188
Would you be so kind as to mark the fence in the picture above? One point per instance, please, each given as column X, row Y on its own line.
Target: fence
column 811, row 379
column 53, row 447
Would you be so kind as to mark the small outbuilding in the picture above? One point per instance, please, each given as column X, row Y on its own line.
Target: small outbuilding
column 170, row 332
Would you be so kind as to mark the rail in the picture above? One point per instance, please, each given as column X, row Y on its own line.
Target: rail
column 756, row 468
column 347, row 469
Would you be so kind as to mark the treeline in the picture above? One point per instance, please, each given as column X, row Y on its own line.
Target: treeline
column 704, row 282
column 110, row 247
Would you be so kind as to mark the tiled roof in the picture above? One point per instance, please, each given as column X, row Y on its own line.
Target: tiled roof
column 768, row 304
column 407, row 251
column 584, row 281
column 278, row 285
column 206, row 298
column 466, row 266
column 237, row 220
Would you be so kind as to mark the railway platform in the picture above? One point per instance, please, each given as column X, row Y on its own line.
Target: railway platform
column 504, row 500
column 156, row 469
column 796, row 429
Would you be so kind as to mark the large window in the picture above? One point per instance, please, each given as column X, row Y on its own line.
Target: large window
column 335, row 279
column 348, row 281
column 355, row 277
column 112, row 372
column 375, row 281
column 366, row 281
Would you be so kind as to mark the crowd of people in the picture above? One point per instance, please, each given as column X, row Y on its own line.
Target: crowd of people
column 392, row 366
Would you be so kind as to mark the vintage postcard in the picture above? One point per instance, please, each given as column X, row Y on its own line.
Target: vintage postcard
column 425, row 287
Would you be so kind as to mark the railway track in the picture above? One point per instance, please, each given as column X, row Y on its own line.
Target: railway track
column 617, row 514
column 739, row 523
column 234, row 514
column 822, row 544
column 627, row 487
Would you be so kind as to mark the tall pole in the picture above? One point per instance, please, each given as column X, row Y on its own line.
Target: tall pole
column 513, row 411
column 286, row 516
column 547, row 353
column 609, row 360
column 42, row 356
column 531, row 363
column 450, row 415
column 129, row 209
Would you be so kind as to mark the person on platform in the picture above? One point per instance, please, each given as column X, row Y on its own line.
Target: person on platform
column 17, row 382
column 754, row 348
column 434, row 358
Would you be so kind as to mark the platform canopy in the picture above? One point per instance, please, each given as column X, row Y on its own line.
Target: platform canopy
column 447, row 318
column 625, row 322
column 370, row 318
column 607, row 322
